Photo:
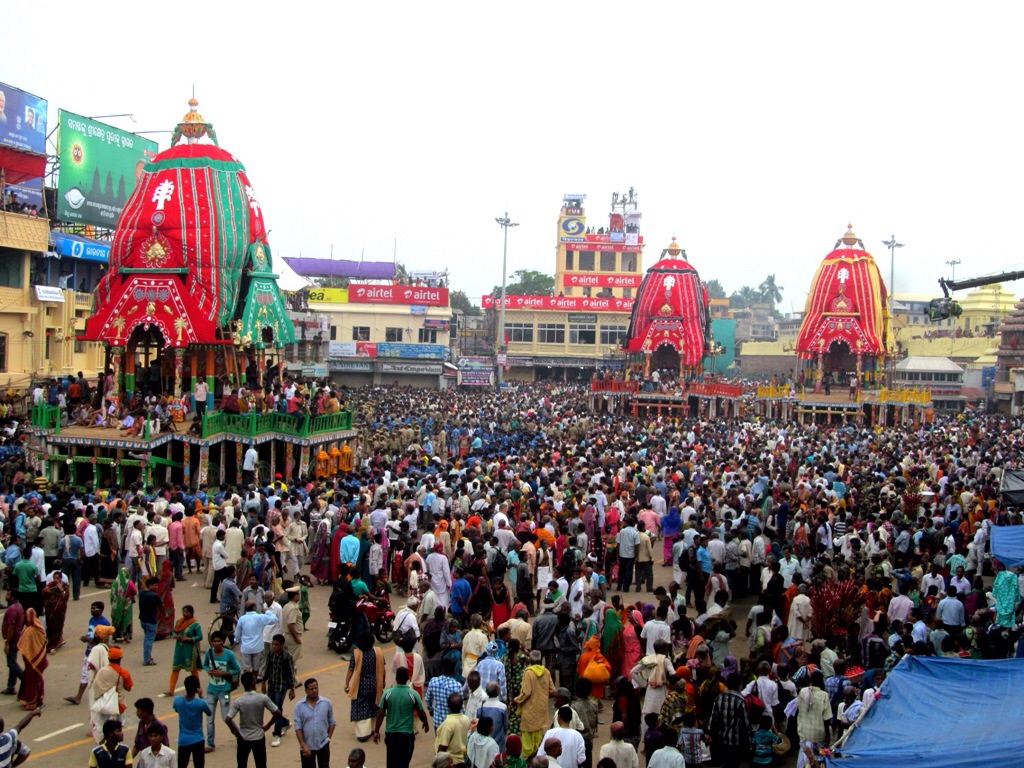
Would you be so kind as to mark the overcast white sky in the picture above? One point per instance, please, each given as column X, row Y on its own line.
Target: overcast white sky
column 751, row 131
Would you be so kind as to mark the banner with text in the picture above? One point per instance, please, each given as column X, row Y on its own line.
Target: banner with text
column 99, row 165
column 414, row 351
column 584, row 279
column 22, row 120
column 566, row 303
column 397, row 294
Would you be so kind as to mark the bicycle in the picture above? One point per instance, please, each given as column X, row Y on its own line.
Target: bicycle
column 224, row 622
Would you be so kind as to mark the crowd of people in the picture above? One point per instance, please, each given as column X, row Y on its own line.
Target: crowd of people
column 719, row 592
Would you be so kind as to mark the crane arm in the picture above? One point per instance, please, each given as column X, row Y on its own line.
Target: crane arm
column 977, row 282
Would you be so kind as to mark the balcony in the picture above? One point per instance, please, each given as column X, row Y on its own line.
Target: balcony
column 253, row 424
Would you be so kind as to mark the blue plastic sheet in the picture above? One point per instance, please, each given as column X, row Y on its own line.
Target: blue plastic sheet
column 941, row 712
column 1008, row 544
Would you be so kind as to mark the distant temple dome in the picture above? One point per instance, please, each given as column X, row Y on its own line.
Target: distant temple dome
column 671, row 310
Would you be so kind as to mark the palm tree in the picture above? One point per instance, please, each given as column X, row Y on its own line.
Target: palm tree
column 743, row 298
column 769, row 291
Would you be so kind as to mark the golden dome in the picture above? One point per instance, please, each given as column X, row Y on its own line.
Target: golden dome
column 849, row 239
column 673, row 248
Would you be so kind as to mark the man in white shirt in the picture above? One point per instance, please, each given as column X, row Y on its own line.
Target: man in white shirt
column 766, row 689
column 657, row 630
column 249, row 465
column 574, row 750
column 621, row 752
column 220, row 563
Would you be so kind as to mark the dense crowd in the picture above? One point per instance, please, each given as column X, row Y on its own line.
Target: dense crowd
column 527, row 536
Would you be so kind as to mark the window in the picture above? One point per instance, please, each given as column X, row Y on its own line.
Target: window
column 627, row 293
column 428, row 336
column 588, row 291
column 392, row 334
column 569, row 259
column 613, row 334
column 582, row 333
column 360, row 333
column 521, row 332
column 11, row 268
column 550, row 333
column 3, row 351
column 334, row 333
column 607, row 261
column 586, row 261
column 629, row 262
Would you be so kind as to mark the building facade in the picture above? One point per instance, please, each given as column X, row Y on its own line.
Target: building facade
column 598, row 270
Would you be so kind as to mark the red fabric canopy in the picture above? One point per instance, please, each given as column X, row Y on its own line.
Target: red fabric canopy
column 847, row 302
column 19, row 166
column 671, row 308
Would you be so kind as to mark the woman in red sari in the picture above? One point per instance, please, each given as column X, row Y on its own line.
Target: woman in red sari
column 165, row 619
column 32, row 646
column 55, row 605
column 502, row 610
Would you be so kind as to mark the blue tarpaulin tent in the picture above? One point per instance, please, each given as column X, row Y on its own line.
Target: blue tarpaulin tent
column 1008, row 544
column 940, row 712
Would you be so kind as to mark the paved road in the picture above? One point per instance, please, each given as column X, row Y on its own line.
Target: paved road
column 60, row 736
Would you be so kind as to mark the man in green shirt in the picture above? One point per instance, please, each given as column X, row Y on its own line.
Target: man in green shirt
column 26, row 576
column 400, row 704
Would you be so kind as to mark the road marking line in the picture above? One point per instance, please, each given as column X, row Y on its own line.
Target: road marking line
column 162, row 718
column 62, row 730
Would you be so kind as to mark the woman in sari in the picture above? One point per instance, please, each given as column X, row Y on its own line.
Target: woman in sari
column 188, row 636
column 451, row 644
column 611, row 640
column 592, row 654
column 122, row 600
column 631, row 648
column 482, row 601
column 320, row 555
column 32, row 646
column 369, row 685
column 165, row 589
column 670, row 525
column 55, row 606
column 502, row 609
column 516, row 663
column 108, row 554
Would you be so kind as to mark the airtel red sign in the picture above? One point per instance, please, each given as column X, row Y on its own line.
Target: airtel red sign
column 602, row 281
column 398, row 294
column 564, row 303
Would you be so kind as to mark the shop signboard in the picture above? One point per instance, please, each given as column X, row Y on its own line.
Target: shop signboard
column 370, row 293
column 22, row 120
column 564, row 303
column 410, row 351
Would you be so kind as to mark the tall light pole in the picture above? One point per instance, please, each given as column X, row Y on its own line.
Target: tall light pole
column 504, row 222
column 952, row 264
column 892, row 245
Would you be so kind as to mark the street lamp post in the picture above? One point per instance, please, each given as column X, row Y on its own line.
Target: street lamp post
column 892, row 245
column 952, row 264
column 504, row 222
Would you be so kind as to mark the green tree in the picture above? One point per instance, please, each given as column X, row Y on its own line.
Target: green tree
column 459, row 300
column 770, row 292
column 744, row 297
column 527, row 282
column 715, row 289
